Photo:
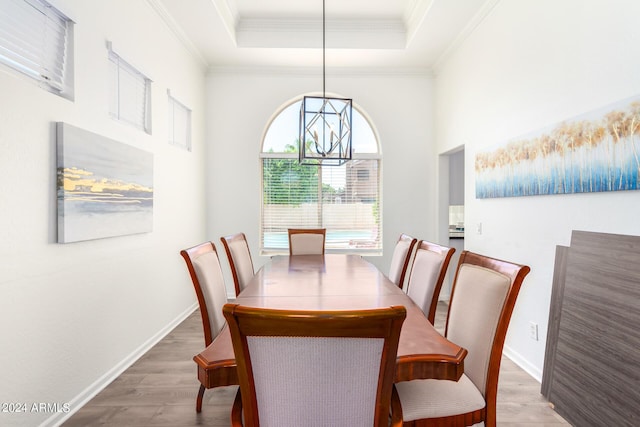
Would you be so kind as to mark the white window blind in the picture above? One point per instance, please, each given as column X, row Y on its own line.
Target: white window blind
column 179, row 124
column 129, row 94
column 333, row 197
column 35, row 40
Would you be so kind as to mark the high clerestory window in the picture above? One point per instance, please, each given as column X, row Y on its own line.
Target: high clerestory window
column 129, row 93
column 346, row 200
column 178, row 123
column 36, row 41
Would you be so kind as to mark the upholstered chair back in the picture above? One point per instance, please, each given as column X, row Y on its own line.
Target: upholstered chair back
column 239, row 257
column 206, row 274
column 300, row 368
column 400, row 260
column 428, row 271
column 306, row 242
column 286, row 395
column 478, row 299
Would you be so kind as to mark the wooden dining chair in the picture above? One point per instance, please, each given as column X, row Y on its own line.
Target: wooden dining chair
column 306, row 241
column 239, row 256
column 314, row 368
column 483, row 297
column 401, row 258
column 206, row 274
column 428, row 270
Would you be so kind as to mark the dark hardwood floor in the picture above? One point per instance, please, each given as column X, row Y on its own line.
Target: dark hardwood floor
column 160, row 390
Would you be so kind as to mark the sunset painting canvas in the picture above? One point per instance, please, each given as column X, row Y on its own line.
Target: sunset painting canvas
column 104, row 187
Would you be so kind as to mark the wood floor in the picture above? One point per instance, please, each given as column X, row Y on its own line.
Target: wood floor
column 160, row 390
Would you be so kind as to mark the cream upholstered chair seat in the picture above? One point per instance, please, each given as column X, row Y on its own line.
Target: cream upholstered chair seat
column 306, row 241
column 208, row 281
column 428, row 271
column 482, row 300
column 400, row 260
column 445, row 398
column 314, row 368
column 239, row 257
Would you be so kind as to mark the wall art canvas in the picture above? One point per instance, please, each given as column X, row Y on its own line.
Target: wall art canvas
column 104, row 187
column 597, row 151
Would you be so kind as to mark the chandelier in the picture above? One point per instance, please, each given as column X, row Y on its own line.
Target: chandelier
column 325, row 124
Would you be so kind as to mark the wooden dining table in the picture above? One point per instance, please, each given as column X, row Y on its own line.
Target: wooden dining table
column 336, row 282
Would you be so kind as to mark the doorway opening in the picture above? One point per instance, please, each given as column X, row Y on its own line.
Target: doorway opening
column 451, row 225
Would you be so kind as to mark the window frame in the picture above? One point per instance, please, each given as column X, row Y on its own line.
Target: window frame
column 359, row 250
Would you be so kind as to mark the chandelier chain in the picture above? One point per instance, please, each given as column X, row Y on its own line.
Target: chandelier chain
column 324, row 73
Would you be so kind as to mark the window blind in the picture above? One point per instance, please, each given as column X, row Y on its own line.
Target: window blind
column 129, row 95
column 34, row 40
column 179, row 124
column 343, row 199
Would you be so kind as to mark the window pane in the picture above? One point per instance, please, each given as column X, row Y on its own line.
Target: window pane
column 364, row 141
column 351, row 206
column 290, row 200
column 331, row 197
column 284, row 131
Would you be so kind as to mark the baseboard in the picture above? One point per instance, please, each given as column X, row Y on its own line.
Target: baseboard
column 90, row 392
column 516, row 358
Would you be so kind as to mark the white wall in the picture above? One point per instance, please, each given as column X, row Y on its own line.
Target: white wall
column 73, row 315
column 240, row 106
column 528, row 65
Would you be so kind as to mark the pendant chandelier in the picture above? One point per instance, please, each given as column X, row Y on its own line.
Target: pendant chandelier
column 325, row 124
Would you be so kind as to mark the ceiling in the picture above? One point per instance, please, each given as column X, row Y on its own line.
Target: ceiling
column 382, row 34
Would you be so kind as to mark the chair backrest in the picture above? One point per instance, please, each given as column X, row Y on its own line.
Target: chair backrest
column 400, row 259
column 204, row 267
column 304, row 241
column 239, row 257
column 483, row 296
column 427, row 274
column 315, row 368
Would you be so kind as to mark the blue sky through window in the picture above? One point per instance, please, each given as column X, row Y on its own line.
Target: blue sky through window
column 284, row 131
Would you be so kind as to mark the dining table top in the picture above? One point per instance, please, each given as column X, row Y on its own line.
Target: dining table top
column 334, row 282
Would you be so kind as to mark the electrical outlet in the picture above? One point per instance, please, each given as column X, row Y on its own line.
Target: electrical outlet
column 479, row 228
column 533, row 331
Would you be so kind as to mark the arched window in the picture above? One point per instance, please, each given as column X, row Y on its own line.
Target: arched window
column 346, row 200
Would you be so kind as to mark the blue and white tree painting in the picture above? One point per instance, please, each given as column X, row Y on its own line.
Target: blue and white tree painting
column 597, row 151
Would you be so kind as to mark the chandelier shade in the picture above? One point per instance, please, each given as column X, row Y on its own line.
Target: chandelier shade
column 325, row 124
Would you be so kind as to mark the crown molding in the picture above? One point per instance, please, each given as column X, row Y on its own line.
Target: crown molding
column 228, row 16
column 177, row 31
column 415, row 14
column 316, row 72
column 475, row 22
